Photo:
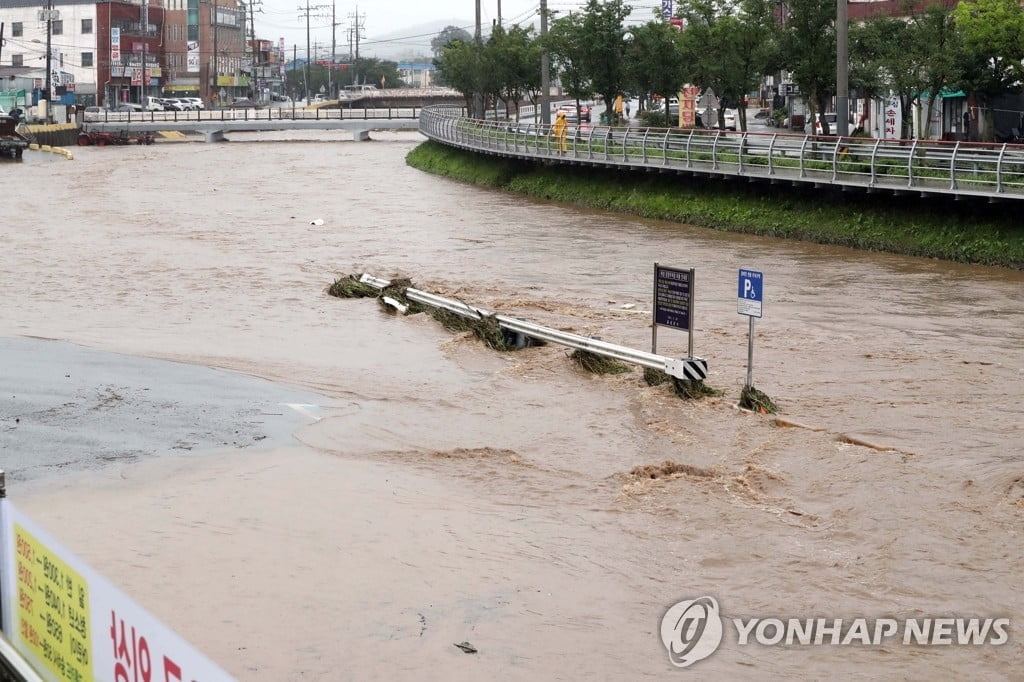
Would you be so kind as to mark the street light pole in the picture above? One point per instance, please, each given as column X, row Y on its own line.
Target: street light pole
column 545, row 69
column 842, row 70
column 49, row 84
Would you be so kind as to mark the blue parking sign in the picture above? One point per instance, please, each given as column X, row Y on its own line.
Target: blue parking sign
column 750, row 293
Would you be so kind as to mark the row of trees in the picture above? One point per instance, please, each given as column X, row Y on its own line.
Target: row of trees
column 729, row 46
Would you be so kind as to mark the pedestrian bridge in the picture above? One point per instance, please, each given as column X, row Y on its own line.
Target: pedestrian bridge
column 918, row 167
column 214, row 124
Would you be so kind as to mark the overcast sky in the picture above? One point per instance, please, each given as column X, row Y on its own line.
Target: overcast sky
column 284, row 18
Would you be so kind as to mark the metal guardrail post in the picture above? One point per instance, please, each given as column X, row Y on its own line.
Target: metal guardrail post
column 625, row 138
column 643, row 145
column 664, row 149
column 874, row 168
column 952, row 166
column 803, row 171
column 771, row 154
column 910, row 164
column 743, row 142
column 999, row 170
column 714, row 151
column 689, row 141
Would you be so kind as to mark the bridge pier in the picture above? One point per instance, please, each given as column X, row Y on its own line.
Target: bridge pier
column 213, row 136
column 360, row 135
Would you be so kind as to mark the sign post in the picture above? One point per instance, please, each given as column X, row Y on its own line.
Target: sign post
column 749, row 302
column 673, row 303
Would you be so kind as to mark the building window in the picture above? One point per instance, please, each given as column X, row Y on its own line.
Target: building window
column 17, row 60
column 17, row 29
column 87, row 59
column 86, row 26
column 57, row 27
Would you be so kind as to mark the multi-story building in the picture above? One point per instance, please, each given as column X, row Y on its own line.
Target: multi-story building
column 119, row 51
column 73, row 36
column 206, row 50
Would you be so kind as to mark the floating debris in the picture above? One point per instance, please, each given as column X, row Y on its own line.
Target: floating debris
column 667, row 468
column 351, row 287
column 694, row 390
column 753, row 399
column 655, row 377
column 599, row 364
column 396, row 291
column 466, row 647
column 317, row 221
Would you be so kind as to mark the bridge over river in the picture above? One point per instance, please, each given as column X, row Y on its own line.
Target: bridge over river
column 927, row 168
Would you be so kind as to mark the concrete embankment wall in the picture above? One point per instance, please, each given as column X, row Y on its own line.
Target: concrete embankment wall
column 55, row 135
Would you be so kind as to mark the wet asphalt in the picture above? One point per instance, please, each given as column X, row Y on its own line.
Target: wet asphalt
column 69, row 408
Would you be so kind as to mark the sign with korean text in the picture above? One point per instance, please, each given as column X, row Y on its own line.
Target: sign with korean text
column 192, row 56
column 750, row 293
column 73, row 625
column 892, row 119
column 673, row 297
column 115, row 44
column 666, row 10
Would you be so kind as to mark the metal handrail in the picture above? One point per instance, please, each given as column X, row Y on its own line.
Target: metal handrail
column 969, row 169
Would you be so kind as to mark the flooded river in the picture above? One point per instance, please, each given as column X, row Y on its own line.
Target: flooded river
column 444, row 493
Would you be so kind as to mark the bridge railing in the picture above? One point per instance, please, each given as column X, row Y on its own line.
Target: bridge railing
column 972, row 169
column 253, row 114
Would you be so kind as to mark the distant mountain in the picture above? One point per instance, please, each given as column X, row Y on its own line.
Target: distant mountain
column 409, row 43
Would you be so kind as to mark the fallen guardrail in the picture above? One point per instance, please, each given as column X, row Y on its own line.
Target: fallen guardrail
column 684, row 369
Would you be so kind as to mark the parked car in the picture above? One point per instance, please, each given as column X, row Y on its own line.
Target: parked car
column 242, row 103
column 730, row 119
column 196, row 102
column 129, row 107
column 570, row 113
column 153, row 104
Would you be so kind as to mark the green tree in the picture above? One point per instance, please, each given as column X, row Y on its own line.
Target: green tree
column 448, row 34
column 513, row 60
column 992, row 32
column 729, row 47
column 808, row 45
column 604, row 47
column 566, row 42
column 654, row 60
column 460, row 66
column 914, row 59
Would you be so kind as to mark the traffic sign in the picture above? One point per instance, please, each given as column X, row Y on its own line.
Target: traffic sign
column 750, row 293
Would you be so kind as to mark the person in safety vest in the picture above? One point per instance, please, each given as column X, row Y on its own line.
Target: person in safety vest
column 560, row 130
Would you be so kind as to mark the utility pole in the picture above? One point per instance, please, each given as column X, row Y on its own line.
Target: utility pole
column 842, row 70
column 499, row 13
column 358, row 24
column 1, row 41
column 306, row 70
column 254, row 83
column 49, row 67
column 334, row 47
column 478, row 97
column 144, row 11
column 216, row 70
column 545, row 69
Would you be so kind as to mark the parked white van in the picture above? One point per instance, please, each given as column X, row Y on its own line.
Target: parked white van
column 153, row 104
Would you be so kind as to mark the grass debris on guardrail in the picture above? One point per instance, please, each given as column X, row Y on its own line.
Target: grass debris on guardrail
column 598, row 364
column 694, row 390
column 753, row 399
column 396, row 290
column 351, row 287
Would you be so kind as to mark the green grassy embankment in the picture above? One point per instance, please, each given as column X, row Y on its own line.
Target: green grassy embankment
column 968, row 231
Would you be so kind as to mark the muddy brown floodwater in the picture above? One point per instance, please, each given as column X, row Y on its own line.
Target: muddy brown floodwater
column 453, row 494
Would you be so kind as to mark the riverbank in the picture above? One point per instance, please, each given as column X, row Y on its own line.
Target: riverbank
column 966, row 232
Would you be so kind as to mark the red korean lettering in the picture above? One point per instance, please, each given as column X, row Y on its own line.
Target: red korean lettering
column 171, row 668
